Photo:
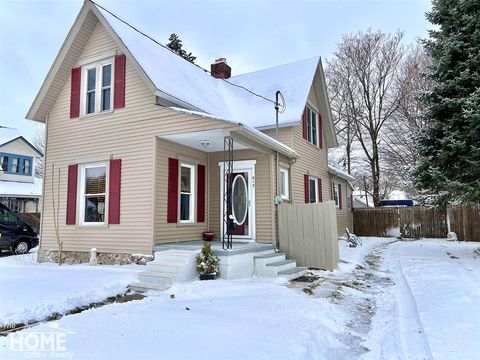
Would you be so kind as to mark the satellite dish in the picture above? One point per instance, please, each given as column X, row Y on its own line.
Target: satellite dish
column 280, row 102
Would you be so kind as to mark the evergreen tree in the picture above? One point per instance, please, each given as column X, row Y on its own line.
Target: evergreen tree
column 175, row 44
column 449, row 145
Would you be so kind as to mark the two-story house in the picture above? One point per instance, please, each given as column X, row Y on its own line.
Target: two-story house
column 152, row 149
column 20, row 190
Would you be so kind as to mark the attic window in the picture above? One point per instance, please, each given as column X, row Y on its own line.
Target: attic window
column 97, row 87
column 312, row 127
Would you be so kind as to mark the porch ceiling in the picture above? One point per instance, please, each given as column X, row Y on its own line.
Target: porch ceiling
column 214, row 137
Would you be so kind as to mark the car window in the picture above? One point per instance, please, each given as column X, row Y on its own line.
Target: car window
column 7, row 218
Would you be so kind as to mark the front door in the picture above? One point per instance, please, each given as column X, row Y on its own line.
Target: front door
column 242, row 199
column 240, row 203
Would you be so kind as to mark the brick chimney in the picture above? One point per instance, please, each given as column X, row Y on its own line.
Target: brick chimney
column 220, row 70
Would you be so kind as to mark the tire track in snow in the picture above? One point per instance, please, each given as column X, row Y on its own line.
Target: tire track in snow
column 408, row 317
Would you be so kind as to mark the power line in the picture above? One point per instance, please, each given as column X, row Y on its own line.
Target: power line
column 173, row 52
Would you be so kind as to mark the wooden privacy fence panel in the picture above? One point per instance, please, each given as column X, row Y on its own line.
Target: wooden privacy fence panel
column 418, row 222
column 465, row 222
column 308, row 234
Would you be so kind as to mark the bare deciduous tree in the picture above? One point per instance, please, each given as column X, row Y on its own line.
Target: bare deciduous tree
column 366, row 67
column 399, row 151
column 39, row 143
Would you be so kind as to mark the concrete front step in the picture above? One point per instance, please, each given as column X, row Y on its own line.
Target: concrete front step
column 292, row 273
column 262, row 260
column 272, row 269
column 165, row 267
column 174, row 256
column 139, row 286
column 156, row 278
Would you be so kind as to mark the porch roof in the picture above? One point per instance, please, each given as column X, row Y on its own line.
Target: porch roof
column 245, row 136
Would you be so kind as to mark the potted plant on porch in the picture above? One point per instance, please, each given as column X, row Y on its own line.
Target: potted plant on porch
column 207, row 263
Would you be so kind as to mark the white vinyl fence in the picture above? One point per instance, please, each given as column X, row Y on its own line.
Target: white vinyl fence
column 308, row 234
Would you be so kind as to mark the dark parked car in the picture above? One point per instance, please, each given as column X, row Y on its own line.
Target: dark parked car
column 15, row 234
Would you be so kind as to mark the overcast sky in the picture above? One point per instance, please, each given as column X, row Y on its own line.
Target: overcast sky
column 251, row 34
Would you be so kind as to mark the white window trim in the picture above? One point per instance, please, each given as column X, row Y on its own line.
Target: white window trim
column 317, row 198
column 286, row 195
column 98, row 86
column 336, row 195
column 81, row 194
column 309, row 109
column 193, row 177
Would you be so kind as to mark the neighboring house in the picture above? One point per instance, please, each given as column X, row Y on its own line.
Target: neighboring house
column 142, row 137
column 343, row 196
column 20, row 190
column 362, row 200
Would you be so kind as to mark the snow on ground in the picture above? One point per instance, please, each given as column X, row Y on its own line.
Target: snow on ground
column 388, row 300
column 433, row 308
column 32, row 291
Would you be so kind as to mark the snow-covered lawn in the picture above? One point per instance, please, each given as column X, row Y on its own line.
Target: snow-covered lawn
column 387, row 300
column 33, row 291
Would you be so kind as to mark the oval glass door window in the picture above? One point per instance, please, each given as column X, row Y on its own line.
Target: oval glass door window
column 239, row 199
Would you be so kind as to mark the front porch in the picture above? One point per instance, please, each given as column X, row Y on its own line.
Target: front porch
column 222, row 180
column 175, row 262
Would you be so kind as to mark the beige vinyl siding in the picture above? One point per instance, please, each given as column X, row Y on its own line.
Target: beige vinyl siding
column 263, row 192
column 312, row 160
column 344, row 215
column 285, row 135
column 128, row 134
column 170, row 232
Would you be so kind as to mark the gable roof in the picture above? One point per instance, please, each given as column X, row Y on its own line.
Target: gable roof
column 186, row 85
column 8, row 135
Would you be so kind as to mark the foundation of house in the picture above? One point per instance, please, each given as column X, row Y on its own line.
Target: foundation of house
column 82, row 257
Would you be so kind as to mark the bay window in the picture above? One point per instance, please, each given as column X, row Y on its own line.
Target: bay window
column 187, row 196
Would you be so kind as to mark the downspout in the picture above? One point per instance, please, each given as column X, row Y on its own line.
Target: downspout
column 43, row 185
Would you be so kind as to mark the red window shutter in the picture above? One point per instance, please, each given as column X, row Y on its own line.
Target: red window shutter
column 304, row 123
column 351, row 201
column 114, row 191
column 307, row 192
column 320, row 131
column 75, row 92
column 119, row 90
column 320, row 195
column 172, row 205
column 72, row 194
column 340, row 196
column 201, row 194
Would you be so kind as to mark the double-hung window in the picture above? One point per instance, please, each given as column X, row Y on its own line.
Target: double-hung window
column 15, row 165
column 284, row 183
column 26, row 166
column 187, row 193
column 4, row 163
column 93, row 180
column 312, row 127
column 97, row 85
column 336, row 195
column 313, row 189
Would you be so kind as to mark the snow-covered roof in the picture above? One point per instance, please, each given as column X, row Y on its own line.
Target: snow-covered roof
column 340, row 173
column 16, row 188
column 191, row 86
column 8, row 134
